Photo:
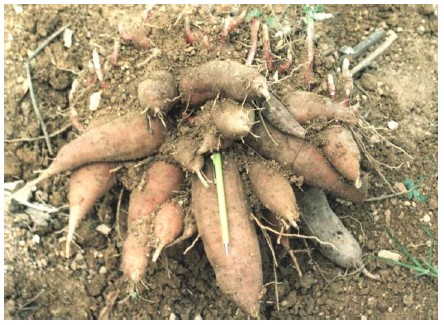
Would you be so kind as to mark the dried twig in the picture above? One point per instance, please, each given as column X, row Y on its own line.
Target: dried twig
column 37, row 110
column 31, row 300
column 364, row 45
column 386, row 196
column 392, row 36
column 63, row 129
column 31, row 89
column 46, row 42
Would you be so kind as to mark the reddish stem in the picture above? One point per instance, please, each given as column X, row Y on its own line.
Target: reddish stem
column 284, row 66
column 92, row 73
column 266, row 50
column 238, row 20
column 114, row 57
column 135, row 37
column 254, row 31
column 147, row 14
column 231, row 24
column 75, row 119
column 212, row 19
column 142, row 42
column 348, row 82
column 224, row 33
column 331, row 86
column 124, row 35
column 205, row 42
column 189, row 36
column 309, row 77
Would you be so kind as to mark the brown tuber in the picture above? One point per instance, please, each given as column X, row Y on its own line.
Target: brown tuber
column 168, row 226
column 232, row 120
column 304, row 159
column 279, row 116
column 86, row 186
column 342, row 151
column 125, row 138
column 274, row 191
column 306, row 106
column 158, row 93
column 238, row 273
column 230, row 79
column 162, row 181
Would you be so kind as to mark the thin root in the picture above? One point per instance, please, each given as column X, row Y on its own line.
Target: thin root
column 192, row 244
column 295, row 263
column 370, row 275
column 385, row 197
column 260, row 224
column 266, row 129
column 275, row 263
column 117, row 225
column 37, row 110
column 63, row 129
column 159, row 115
column 201, row 178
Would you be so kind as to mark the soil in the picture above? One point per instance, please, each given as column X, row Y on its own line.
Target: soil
column 400, row 85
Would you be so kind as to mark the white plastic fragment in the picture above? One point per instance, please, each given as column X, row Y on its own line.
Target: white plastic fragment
column 18, row 9
column 147, row 11
column 347, row 50
column 67, row 37
column 97, row 66
column 36, row 239
column 104, row 229
column 276, row 76
column 425, row 219
column 389, row 255
column 39, row 218
column 23, row 197
column 94, row 100
column 91, row 67
column 322, row 16
column 74, row 85
column 12, row 186
column 375, row 139
column 393, row 125
column 286, row 30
